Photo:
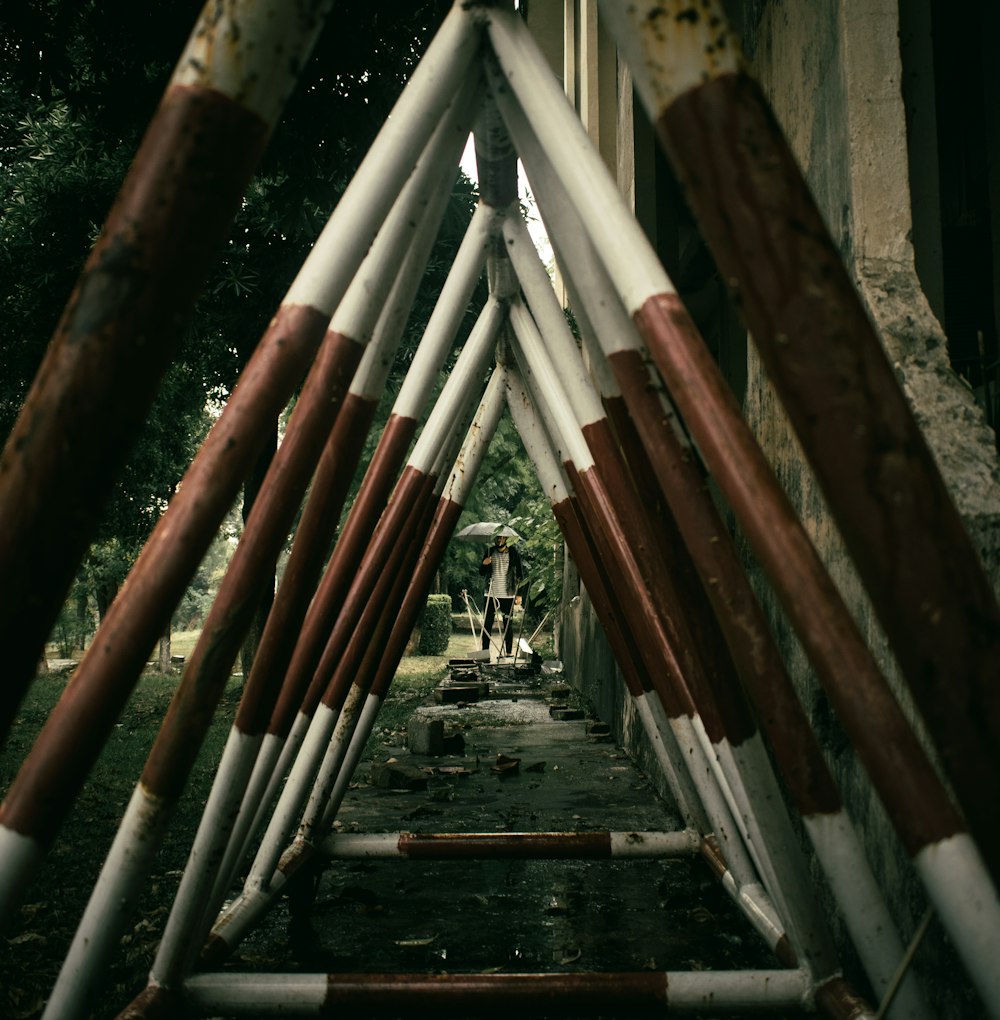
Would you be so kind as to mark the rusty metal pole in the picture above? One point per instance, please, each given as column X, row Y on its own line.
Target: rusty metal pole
column 284, row 736
column 206, row 672
column 345, row 699
column 467, row 369
column 552, row 846
column 948, row 861
column 775, row 853
column 839, row 389
column 358, row 706
column 290, row 718
column 720, row 715
column 668, row 458
column 599, row 509
column 358, row 316
column 77, row 728
column 138, row 287
column 410, row 593
column 640, row 994
column 538, row 443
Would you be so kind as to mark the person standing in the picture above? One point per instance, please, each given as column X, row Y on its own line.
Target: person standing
column 503, row 567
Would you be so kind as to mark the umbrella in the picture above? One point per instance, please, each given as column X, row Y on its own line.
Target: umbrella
column 484, row 531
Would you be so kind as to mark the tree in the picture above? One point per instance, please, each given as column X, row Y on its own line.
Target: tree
column 78, row 83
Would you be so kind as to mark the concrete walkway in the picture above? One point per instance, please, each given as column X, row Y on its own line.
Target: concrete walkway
column 556, row 916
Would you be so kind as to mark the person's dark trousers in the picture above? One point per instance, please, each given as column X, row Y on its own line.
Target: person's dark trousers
column 506, row 608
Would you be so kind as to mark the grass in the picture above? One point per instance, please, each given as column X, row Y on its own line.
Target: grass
column 39, row 936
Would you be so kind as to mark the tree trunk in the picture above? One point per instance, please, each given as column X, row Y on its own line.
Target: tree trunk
column 250, row 489
column 165, row 649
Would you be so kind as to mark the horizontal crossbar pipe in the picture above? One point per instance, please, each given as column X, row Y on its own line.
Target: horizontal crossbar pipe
column 575, row 995
column 672, row 462
column 521, row 845
column 838, row 387
column 122, row 322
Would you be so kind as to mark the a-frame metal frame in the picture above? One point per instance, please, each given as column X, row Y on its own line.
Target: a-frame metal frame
column 621, row 434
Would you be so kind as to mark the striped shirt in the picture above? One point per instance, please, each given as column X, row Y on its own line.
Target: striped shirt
column 500, row 574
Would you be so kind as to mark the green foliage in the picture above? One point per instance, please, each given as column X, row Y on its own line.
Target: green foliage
column 79, row 83
column 507, row 490
column 435, row 625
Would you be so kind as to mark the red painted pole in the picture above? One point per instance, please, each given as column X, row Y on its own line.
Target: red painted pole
column 823, row 356
column 121, row 325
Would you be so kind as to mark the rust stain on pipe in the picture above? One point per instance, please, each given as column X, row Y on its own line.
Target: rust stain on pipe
column 350, row 548
column 761, row 668
column 313, row 536
column 396, row 525
column 638, row 994
column 595, row 580
column 880, row 481
column 75, row 732
column 439, row 533
column 653, row 645
column 108, row 353
column 520, row 845
column 251, row 569
column 915, row 798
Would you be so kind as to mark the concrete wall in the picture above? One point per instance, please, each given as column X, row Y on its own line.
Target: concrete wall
column 831, row 70
column 832, row 73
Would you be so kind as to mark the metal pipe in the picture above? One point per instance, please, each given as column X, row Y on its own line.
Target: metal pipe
column 539, row 445
column 78, row 726
column 640, row 994
column 657, row 654
column 392, row 255
column 505, row 845
column 141, row 280
column 838, row 387
column 918, row 804
column 389, row 456
column 662, row 451
column 361, row 706
column 457, row 390
column 206, row 672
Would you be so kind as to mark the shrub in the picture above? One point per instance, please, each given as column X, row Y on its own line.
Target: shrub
column 435, row 625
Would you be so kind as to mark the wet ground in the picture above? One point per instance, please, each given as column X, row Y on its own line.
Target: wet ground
column 403, row 915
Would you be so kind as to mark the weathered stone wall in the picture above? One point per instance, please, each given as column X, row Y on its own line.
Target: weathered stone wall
column 831, row 70
column 591, row 669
